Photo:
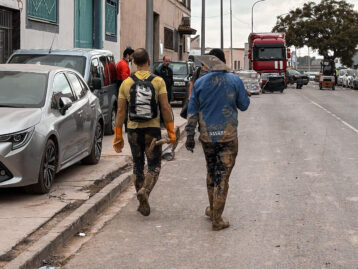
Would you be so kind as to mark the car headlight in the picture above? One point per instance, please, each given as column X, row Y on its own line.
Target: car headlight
column 19, row 139
column 179, row 83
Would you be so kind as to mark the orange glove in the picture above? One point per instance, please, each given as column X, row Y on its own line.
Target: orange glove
column 171, row 133
column 118, row 142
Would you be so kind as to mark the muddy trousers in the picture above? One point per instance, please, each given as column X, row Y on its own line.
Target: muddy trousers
column 220, row 159
column 139, row 141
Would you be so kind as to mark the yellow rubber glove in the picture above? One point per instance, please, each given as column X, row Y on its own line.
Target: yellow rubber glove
column 118, row 142
column 171, row 133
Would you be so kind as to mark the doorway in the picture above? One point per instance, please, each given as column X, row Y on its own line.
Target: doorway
column 88, row 24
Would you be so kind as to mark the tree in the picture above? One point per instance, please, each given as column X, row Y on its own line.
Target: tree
column 329, row 27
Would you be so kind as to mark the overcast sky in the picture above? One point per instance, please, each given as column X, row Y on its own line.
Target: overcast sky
column 265, row 14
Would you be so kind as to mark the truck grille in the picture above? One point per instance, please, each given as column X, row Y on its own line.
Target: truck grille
column 4, row 173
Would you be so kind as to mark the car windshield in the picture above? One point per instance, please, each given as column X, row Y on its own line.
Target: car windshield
column 22, row 89
column 179, row 68
column 269, row 53
column 77, row 63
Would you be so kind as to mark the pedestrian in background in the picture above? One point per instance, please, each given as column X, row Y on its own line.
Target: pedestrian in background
column 144, row 93
column 214, row 104
column 123, row 70
column 164, row 71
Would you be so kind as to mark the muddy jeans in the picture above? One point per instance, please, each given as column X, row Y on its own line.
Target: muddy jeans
column 139, row 141
column 220, row 159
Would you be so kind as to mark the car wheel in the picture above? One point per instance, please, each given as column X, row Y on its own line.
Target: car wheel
column 112, row 122
column 47, row 170
column 96, row 149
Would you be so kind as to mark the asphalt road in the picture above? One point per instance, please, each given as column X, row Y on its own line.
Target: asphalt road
column 293, row 198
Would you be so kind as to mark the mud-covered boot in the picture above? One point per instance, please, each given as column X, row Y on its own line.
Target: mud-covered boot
column 210, row 189
column 142, row 197
column 220, row 224
column 143, row 193
column 219, row 200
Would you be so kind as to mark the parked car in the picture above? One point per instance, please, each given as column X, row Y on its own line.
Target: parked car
column 251, row 80
column 93, row 65
column 49, row 120
column 311, row 75
column 349, row 77
column 182, row 72
column 341, row 74
column 293, row 75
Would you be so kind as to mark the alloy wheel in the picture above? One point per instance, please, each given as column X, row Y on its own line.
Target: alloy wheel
column 98, row 141
column 49, row 166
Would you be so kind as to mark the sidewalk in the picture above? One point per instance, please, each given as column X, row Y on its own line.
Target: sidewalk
column 22, row 215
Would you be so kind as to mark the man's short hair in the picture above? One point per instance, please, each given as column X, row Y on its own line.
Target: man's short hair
column 140, row 57
column 165, row 57
column 127, row 51
column 219, row 54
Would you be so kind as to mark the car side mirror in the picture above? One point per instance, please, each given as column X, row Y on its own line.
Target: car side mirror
column 64, row 104
column 96, row 83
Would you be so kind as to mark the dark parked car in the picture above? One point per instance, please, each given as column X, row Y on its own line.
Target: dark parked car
column 49, row 120
column 293, row 75
column 182, row 72
column 96, row 66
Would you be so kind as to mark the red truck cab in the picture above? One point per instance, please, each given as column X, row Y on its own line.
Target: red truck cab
column 268, row 56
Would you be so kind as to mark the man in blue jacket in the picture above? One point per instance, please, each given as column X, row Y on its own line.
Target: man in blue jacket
column 214, row 104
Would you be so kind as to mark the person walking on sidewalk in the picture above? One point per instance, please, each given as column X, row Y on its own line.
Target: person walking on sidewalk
column 123, row 70
column 214, row 104
column 164, row 71
column 144, row 93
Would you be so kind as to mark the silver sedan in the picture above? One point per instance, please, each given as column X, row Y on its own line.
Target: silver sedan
column 49, row 120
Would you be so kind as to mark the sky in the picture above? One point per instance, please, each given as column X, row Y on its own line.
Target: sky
column 265, row 16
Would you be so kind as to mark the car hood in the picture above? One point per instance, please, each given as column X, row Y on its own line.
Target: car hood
column 13, row 120
column 179, row 77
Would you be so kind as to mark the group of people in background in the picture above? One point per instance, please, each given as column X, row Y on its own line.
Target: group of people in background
column 215, row 95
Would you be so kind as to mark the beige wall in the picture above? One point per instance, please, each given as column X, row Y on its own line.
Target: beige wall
column 133, row 24
column 238, row 56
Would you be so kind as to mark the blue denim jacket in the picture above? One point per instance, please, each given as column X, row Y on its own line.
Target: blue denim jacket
column 214, row 103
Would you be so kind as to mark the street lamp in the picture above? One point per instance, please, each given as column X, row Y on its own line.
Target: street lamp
column 252, row 15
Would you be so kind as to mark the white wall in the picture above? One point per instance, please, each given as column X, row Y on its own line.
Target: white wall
column 64, row 39
column 38, row 39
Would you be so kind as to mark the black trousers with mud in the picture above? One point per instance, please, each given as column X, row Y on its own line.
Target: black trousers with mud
column 139, row 141
column 220, row 159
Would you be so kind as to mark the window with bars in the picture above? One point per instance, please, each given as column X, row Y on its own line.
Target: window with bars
column 111, row 17
column 168, row 38
column 42, row 10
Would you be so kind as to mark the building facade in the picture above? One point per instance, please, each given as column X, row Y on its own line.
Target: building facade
column 33, row 24
column 171, row 27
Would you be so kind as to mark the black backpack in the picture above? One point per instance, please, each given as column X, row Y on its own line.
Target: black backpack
column 142, row 103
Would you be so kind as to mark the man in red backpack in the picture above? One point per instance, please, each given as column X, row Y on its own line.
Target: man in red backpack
column 144, row 93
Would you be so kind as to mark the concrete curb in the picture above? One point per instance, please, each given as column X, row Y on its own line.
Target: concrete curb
column 72, row 224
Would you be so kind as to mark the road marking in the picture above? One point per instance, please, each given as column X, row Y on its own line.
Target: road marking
column 333, row 115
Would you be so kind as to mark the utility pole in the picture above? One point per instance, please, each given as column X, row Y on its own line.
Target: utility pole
column 231, row 54
column 202, row 27
column 222, row 25
column 149, row 40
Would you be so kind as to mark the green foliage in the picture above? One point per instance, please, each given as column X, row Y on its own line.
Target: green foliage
column 329, row 27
